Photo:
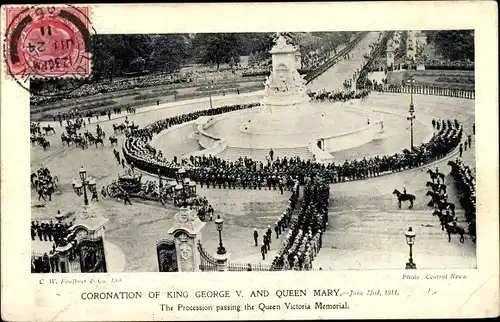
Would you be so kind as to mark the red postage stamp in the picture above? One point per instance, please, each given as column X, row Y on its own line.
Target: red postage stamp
column 48, row 41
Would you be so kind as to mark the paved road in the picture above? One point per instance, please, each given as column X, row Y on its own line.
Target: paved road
column 334, row 78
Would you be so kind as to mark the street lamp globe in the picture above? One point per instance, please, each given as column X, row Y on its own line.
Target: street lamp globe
column 410, row 236
column 219, row 223
column 83, row 173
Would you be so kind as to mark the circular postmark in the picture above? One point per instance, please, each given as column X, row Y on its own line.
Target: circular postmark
column 49, row 45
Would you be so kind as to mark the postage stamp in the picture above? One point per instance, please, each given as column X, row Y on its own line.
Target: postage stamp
column 47, row 41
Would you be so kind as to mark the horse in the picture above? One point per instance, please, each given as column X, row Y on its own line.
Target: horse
column 119, row 128
column 45, row 145
column 455, row 229
column 98, row 140
column 48, row 129
column 438, row 200
column 133, row 127
column 66, row 139
column 453, row 165
column 113, row 140
column 436, row 187
column 404, row 197
column 81, row 142
column 435, row 175
column 34, row 140
column 42, row 192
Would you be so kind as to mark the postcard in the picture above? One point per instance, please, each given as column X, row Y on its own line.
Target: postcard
column 249, row 161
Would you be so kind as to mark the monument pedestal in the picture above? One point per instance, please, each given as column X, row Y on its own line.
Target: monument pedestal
column 221, row 262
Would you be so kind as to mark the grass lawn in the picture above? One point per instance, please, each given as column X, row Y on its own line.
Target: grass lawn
column 440, row 78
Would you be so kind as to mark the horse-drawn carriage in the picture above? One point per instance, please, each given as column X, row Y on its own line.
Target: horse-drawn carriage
column 128, row 183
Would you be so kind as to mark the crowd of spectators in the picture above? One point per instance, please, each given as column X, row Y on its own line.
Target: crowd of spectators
column 101, row 87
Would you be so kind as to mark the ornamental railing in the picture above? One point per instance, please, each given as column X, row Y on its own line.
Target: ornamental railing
column 208, row 263
column 239, row 267
column 429, row 90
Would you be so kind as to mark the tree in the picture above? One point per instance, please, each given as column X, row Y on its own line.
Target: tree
column 113, row 54
column 169, row 52
column 453, row 44
column 137, row 65
column 232, row 62
column 251, row 60
column 216, row 48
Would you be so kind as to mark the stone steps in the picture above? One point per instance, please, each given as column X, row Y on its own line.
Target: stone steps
column 233, row 153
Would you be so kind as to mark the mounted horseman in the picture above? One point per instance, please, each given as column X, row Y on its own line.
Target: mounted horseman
column 404, row 197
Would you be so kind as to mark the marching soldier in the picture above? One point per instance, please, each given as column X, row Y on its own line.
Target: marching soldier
column 263, row 251
column 255, row 236
column 276, row 230
column 269, row 233
column 33, row 231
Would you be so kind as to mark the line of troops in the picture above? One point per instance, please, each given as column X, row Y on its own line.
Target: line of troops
column 59, row 234
column 280, row 225
column 304, row 238
column 48, row 263
column 49, row 231
column 440, row 203
column 442, row 124
column 228, row 179
column 144, row 158
column 466, row 184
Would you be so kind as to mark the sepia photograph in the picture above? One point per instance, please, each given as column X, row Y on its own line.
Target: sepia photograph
column 258, row 152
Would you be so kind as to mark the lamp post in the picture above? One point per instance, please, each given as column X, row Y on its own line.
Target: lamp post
column 412, row 111
column 210, row 87
column 410, row 240
column 159, row 179
column 219, row 223
column 83, row 176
